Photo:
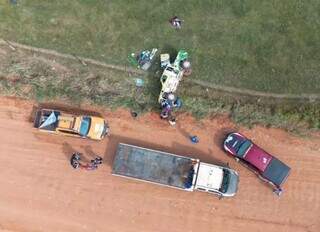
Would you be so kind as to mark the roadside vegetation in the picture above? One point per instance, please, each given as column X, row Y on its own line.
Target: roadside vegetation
column 48, row 78
column 270, row 46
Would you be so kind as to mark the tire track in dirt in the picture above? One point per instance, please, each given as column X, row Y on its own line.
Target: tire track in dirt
column 83, row 60
column 253, row 93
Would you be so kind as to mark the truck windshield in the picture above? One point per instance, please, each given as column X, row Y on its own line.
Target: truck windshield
column 225, row 181
column 243, row 148
column 85, row 125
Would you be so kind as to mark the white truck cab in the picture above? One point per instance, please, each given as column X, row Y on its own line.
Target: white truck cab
column 170, row 80
column 216, row 179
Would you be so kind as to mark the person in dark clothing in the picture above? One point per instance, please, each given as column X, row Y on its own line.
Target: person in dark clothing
column 97, row 161
column 75, row 160
column 176, row 22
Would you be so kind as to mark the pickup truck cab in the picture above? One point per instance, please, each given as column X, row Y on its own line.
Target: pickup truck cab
column 222, row 181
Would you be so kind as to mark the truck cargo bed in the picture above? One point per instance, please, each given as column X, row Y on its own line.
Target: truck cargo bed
column 42, row 115
column 154, row 166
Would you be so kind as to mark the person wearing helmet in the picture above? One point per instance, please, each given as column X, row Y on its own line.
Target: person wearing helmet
column 75, row 160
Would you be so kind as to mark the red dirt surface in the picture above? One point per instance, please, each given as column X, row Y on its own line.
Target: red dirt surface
column 41, row 192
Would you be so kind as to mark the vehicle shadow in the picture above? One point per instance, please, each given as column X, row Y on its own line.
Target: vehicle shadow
column 33, row 113
column 90, row 154
column 68, row 151
column 67, row 109
column 182, row 131
column 221, row 134
column 193, row 152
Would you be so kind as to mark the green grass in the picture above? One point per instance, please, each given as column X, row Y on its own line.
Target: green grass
column 44, row 80
column 267, row 45
column 249, row 111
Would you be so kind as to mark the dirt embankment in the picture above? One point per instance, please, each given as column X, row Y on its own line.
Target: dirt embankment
column 41, row 192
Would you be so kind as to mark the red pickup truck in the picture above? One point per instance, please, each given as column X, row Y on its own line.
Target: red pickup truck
column 267, row 167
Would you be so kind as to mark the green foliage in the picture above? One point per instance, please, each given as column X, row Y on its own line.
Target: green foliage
column 270, row 46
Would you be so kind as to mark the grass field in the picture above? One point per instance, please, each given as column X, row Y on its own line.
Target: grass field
column 268, row 45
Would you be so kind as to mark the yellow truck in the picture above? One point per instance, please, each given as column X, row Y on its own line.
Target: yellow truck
column 83, row 126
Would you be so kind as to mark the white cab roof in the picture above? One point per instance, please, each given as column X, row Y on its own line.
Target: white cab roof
column 209, row 177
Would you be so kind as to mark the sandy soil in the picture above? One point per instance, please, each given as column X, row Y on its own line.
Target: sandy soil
column 41, row 192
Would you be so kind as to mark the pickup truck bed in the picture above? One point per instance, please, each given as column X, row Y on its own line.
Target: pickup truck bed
column 42, row 116
column 154, row 166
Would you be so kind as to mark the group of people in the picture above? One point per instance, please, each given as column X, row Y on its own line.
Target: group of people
column 77, row 163
column 168, row 103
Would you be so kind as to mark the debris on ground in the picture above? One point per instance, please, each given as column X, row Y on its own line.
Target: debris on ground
column 143, row 60
column 139, row 82
column 194, row 139
column 176, row 22
column 134, row 114
column 164, row 60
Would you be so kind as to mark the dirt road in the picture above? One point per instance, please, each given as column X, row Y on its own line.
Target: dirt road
column 41, row 192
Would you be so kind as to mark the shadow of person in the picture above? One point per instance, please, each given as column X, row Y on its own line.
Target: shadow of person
column 68, row 151
column 182, row 131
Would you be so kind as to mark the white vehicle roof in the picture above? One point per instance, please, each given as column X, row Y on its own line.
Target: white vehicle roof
column 173, row 76
column 209, row 177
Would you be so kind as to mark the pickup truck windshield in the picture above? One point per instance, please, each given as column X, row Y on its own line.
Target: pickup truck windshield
column 243, row 148
column 225, row 181
column 85, row 125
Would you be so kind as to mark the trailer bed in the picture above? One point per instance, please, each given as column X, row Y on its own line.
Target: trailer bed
column 153, row 166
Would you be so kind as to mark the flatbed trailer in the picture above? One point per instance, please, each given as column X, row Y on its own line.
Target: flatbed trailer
column 172, row 170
